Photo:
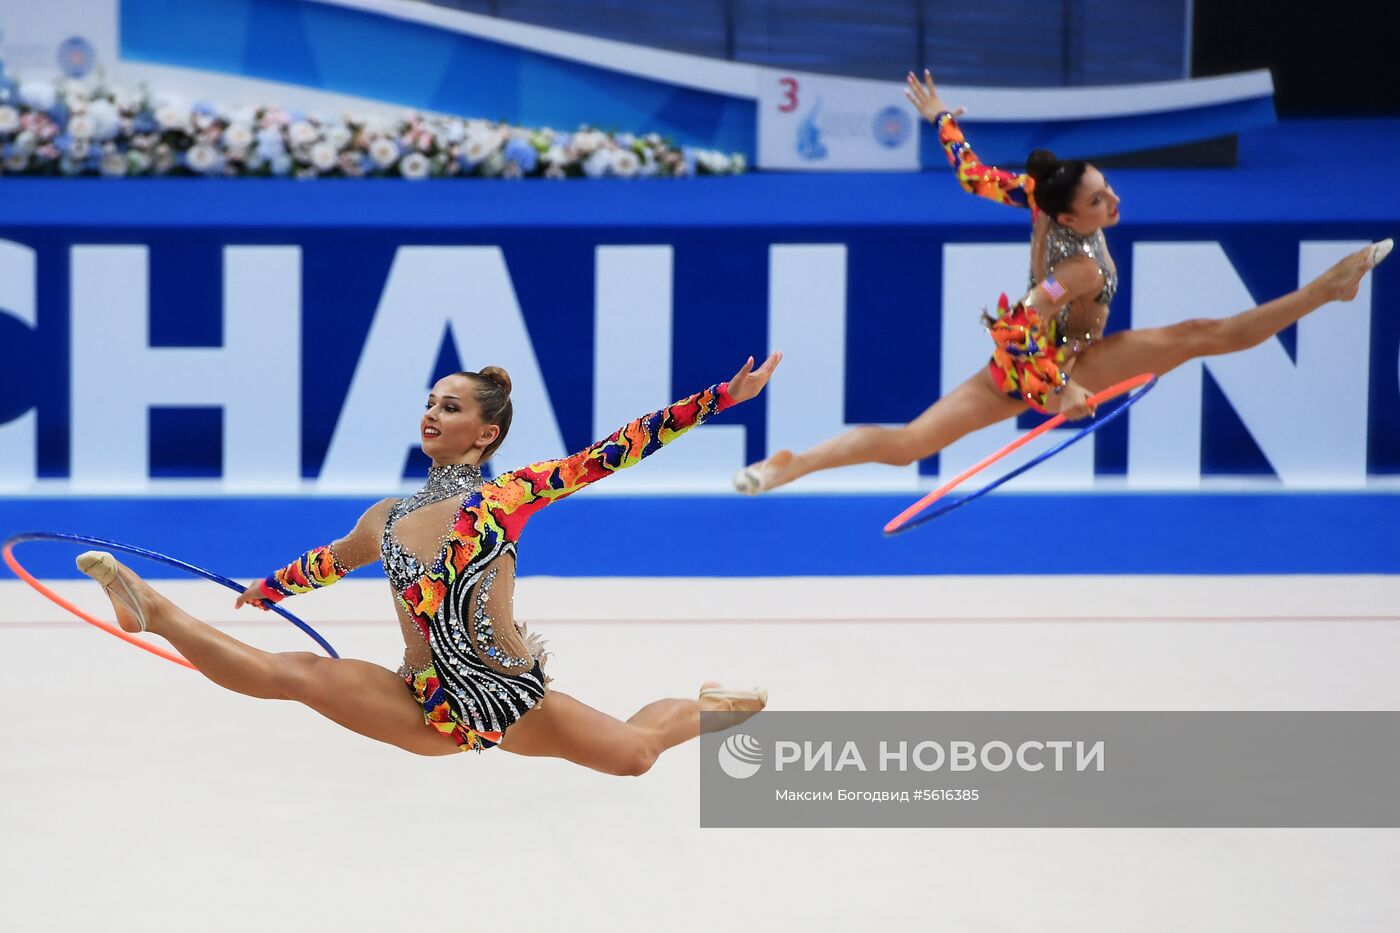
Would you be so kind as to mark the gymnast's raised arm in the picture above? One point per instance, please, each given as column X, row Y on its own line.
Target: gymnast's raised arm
column 523, row 492
column 985, row 181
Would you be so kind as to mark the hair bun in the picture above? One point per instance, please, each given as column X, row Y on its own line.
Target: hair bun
column 497, row 375
column 1040, row 164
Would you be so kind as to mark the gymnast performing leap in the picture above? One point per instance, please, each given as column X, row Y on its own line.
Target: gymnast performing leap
column 472, row 676
column 1056, row 331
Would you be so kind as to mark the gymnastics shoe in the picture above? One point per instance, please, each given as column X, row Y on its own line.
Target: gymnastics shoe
column 1380, row 250
column 102, row 567
column 735, row 701
column 748, row 481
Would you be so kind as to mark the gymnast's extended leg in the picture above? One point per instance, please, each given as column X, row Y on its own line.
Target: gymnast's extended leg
column 971, row 406
column 1161, row 349
column 360, row 696
column 563, row 727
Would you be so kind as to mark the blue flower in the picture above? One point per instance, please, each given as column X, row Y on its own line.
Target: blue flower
column 64, row 143
column 59, row 113
column 145, row 122
column 688, row 154
column 205, row 109
column 522, row 154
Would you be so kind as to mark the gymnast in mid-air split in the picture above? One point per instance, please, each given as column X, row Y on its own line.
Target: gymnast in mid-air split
column 472, row 676
column 1049, row 349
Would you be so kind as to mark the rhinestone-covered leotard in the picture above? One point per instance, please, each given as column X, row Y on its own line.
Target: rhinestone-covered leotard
column 449, row 552
column 1059, row 242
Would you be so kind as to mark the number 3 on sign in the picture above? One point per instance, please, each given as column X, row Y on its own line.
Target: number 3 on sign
column 789, row 86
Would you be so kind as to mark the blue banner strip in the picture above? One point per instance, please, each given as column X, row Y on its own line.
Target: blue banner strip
column 727, row 536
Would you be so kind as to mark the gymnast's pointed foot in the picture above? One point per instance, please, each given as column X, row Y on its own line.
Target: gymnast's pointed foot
column 764, row 475
column 1379, row 251
column 1343, row 280
column 737, row 705
column 124, row 588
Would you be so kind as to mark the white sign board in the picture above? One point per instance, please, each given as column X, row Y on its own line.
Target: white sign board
column 44, row 40
column 824, row 123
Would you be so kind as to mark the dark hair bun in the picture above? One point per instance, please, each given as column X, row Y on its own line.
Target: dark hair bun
column 1040, row 164
column 499, row 376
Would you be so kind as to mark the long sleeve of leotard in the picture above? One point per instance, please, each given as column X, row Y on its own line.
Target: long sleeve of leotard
column 516, row 496
column 311, row 571
column 985, row 181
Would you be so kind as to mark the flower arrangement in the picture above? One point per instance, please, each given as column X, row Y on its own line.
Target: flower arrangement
column 71, row 128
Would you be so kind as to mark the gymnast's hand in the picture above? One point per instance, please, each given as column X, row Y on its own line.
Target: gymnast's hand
column 748, row 382
column 1074, row 402
column 252, row 596
column 924, row 96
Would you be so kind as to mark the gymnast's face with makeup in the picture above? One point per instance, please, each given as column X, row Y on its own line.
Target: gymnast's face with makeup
column 1093, row 206
column 452, row 429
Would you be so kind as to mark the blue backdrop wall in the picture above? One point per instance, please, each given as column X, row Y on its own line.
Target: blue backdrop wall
column 275, row 339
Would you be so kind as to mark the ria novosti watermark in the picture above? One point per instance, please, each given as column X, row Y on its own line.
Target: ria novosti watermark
column 1053, row 769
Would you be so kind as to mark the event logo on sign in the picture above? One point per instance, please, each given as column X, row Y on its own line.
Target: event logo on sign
column 76, row 57
column 892, row 127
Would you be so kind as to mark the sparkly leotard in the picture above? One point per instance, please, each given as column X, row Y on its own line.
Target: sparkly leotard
column 449, row 552
column 1050, row 242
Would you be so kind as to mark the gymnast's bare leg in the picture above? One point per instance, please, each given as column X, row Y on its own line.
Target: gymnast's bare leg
column 977, row 403
column 372, row 700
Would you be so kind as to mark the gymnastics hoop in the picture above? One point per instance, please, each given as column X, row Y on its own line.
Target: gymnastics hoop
column 7, row 551
column 911, row 517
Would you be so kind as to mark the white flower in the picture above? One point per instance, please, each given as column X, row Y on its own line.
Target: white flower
column 649, row 164
column 587, row 141
column 16, row 161
column 415, row 165
column 80, row 149
column 302, row 133
column 106, row 119
column 138, row 163
column 9, row 119
column 242, row 114
column 626, row 163
column 323, row 156
column 597, row 165
column 555, row 171
column 38, row 95
column 280, row 164
column 481, row 142
column 203, row 159
column 125, row 100
column 384, row 152
column 554, row 156
column 238, row 136
column 114, row 165
column 338, row 135
column 27, row 141
column 173, row 118
column 455, row 131
column 716, row 163
column 81, row 126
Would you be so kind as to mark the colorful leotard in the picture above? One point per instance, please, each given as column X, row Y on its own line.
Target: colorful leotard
column 470, row 665
column 1055, row 243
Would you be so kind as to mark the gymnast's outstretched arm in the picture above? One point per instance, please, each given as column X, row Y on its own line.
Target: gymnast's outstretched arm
column 523, row 492
column 985, row 181
column 323, row 565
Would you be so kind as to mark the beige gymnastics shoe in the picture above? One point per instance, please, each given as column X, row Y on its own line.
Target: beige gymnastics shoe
column 103, row 568
column 1379, row 251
